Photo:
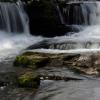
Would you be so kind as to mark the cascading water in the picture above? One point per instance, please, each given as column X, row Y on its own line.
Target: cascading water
column 78, row 14
column 14, row 37
column 86, row 14
column 12, row 18
column 91, row 34
column 14, row 32
column 81, row 15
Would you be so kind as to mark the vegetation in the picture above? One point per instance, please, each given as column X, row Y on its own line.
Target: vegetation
column 29, row 79
column 30, row 61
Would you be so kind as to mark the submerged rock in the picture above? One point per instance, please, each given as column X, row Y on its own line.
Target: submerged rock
column 28, row 80
column 7, row 78
column 28, row 64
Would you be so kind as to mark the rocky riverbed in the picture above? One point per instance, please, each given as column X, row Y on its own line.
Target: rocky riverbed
column 35, row 76
column 88, row 64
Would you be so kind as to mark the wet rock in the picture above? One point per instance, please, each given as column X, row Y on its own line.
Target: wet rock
column 88, row 64
column 7, row 78
column 31, row 61
column 28, row 80
column 44, row 18
column 40, row 60
column 57, row 78
column 26, row 68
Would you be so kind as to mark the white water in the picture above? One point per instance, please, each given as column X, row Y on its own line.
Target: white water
column 13, row 18
column 11, row 45
column 87, row 40
column 14, row 30
column 90, row 33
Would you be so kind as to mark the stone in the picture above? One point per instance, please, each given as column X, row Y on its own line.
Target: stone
column 45, row 19
column 28, row 80
column 27, row 60
column 88, row 64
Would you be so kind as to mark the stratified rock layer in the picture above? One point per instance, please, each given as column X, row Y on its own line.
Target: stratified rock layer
column 81, row 63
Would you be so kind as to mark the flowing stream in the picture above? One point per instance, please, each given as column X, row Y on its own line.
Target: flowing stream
column 15, row 37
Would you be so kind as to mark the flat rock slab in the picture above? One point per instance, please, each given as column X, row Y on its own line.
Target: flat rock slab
column 86, row 63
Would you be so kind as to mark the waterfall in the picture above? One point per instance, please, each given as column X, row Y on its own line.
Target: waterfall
column 13, row 18
column 13, row 21
column 81, row 13
column 78, row 14
column 85, row 14
column 59, row 11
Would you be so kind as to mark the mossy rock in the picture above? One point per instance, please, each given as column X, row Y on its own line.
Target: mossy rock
column 22, row 61
column 28, row 80
column 30, row 61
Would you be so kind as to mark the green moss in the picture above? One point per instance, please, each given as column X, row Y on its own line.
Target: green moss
column 32, row 61
column 21, row 61
column 29, row 79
